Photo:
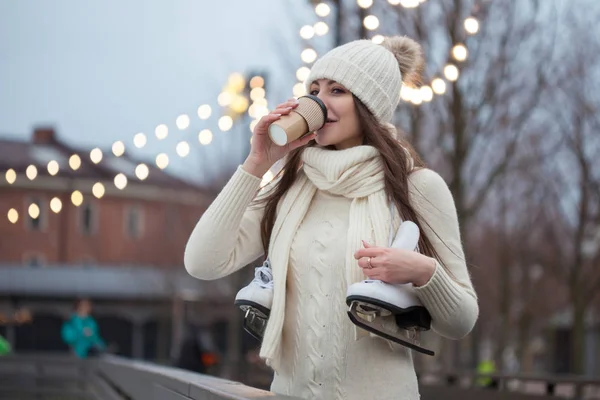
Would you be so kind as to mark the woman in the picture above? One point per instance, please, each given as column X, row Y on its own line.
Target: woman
column 333, row 194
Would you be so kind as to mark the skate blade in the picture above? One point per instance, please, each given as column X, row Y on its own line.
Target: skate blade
column 371, row 309
column 374, row 326
column 254, row 323
column 256, row 308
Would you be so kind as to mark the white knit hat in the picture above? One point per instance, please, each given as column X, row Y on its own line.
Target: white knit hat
column 372, row 72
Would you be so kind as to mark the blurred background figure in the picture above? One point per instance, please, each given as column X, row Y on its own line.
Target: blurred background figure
column 197, row 352
column 20, row 317
column 81, row 333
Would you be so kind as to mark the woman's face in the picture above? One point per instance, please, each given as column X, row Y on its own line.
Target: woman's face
column 342, row 129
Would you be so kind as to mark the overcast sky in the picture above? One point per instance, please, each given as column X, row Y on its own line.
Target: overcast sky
column 103, row 70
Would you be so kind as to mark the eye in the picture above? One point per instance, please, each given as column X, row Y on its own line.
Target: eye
column 338, row 91
column 314, row 92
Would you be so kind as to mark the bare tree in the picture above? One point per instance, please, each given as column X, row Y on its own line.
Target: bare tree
column 473, row 133
column 574, row 172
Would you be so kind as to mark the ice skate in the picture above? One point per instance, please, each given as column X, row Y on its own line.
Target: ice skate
column 374, row 304
column 256, row 300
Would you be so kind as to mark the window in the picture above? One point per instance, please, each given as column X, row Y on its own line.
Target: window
column 88, row 218
column 134, row 221
column 34, row 260
column 35, row 214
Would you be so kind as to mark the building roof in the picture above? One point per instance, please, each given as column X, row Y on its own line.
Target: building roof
column 46, row 146
column 108, row 282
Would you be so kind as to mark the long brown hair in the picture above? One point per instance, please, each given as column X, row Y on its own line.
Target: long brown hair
column 395, row 168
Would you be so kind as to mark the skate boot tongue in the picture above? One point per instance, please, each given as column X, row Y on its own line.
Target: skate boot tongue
column 265, row 278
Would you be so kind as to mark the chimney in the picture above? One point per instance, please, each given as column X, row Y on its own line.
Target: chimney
column 44, row 135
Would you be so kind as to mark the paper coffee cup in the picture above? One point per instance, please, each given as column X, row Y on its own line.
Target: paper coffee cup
column 309, row 116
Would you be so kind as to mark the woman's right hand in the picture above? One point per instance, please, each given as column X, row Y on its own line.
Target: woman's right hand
column 263, row 152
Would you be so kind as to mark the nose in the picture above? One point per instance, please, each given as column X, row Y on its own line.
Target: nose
column 324, row 98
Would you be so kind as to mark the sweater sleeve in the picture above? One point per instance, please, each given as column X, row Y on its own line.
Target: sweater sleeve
column 227, row 236
column 449, row 295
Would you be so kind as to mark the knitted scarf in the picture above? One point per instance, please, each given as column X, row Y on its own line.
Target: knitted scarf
column 355, row 173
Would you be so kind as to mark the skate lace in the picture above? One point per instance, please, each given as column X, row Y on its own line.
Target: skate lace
column 263, row 276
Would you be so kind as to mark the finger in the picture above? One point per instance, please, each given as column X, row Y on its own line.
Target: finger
column 292, row 102
column 366, row 244
column 363, row 263
column 373, row 273
column 375, row 262
column 282, row 110
column 264, row 122
column 370, row 252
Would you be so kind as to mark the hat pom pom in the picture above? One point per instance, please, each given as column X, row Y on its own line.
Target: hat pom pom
column 409, row 55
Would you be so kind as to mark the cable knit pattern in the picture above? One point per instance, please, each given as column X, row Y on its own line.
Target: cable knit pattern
column 317, row 354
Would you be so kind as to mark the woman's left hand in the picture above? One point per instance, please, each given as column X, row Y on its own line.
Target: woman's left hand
column 395, row 266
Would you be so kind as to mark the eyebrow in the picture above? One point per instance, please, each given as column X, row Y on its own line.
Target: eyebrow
column 330, row 82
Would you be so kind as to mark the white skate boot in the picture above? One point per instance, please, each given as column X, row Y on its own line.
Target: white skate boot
column 373, row 302
column 256, row 300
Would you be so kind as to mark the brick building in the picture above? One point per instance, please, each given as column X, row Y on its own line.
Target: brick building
column 146, row 223
column 68, row 231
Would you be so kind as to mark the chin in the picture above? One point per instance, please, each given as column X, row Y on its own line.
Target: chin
column 326, row 138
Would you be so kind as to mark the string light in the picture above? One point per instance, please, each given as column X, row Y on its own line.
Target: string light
column 426, row 93
column 120, row 181
column 118, row 148
column 139, row 140
column 438, row 86
column 299, row 90
column 416, row 96
column 205, row 137
column 225, row 123
column 321, row 28
column 55, row 205
column 371, row 22
column 31, row 172
column 451, row 72
column 142, row 171
column 302, row 73
column 11, row 176
column 53, row 167
column 182, row 149
column 77, row 197
column 74, row 162
column 162, row 161
column 161, row 131
column 459, row 52
column 257, row 81
column 378, row 39
column 308, row 55
column 182, row 122
column 98, row 190
column 322, row 9
column 96, row 155
column 34, row 211
column 471, row 25
column 204, row 111
column 257, row 93
column 307, row 32
column 13, row 216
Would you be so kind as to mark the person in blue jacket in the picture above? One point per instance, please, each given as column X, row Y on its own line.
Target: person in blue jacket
column 80, row 332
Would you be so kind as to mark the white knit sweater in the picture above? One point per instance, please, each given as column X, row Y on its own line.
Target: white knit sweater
column 321, row 358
